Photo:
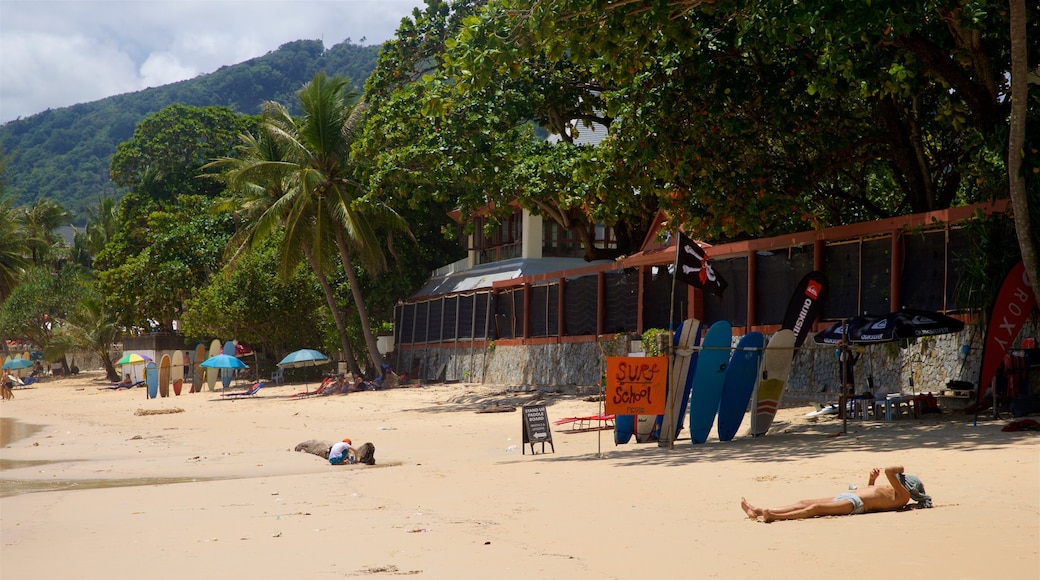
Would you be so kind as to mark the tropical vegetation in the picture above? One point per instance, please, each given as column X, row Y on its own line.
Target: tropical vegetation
column 739, row 119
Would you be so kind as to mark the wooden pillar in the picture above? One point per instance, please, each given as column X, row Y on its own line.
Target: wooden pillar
column 601, row 299
column 896, row 270
column 527, row 310
column 752, row 277
column 639, row 300
column 561, row 305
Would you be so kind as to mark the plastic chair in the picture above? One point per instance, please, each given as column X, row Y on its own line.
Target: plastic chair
column 278, row 376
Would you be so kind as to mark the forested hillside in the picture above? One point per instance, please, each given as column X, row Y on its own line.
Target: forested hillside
column 63, row 154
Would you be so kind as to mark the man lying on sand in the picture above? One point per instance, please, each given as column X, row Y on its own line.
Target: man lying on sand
column 873, row 498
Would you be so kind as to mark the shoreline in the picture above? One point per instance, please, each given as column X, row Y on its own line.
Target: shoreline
column 451, row 494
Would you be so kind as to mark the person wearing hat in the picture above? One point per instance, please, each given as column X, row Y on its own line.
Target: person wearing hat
column 872, row 498
column 342, row 452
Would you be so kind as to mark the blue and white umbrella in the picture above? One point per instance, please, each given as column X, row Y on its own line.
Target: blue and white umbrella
column 304, row 357
column 223, row 361
column 17, row 363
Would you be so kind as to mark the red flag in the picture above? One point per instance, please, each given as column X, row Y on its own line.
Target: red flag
column 1014, row 303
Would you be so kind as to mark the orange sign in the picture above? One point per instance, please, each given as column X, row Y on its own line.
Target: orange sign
column 636, row 385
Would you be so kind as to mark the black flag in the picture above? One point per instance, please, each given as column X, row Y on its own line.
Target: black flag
column 692, row 267
column 805, row 305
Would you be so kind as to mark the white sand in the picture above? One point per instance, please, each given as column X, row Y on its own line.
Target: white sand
column 452, row 496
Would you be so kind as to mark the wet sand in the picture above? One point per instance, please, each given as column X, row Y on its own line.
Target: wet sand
column 216, row 489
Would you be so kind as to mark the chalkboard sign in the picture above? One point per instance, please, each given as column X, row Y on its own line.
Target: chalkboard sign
column 536, row 427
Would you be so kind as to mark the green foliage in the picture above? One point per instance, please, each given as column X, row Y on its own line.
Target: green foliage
column 154, row 264
column 163, row 157
column 249, row 301
column 64, row 154
column 42, row 299
column 649, row 341
column 984, row 264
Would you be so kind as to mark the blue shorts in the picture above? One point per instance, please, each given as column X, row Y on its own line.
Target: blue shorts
column 857, row 503
column 339, row 459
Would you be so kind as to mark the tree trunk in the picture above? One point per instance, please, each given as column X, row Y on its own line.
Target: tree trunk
column 330, row 299
column 1017, row 138
column 359, row 302
column 110, row 369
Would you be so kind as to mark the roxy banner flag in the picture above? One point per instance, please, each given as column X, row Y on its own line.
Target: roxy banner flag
column 1014, row 304
column 693, row 267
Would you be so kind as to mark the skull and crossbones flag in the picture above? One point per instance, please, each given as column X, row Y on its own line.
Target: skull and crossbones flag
column 692, row 267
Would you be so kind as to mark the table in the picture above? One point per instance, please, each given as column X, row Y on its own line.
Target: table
column 895, row 406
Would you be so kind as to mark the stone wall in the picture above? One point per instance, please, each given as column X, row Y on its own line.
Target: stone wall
column 926, row 365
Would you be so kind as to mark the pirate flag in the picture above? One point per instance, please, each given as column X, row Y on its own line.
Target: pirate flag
column 692, row 267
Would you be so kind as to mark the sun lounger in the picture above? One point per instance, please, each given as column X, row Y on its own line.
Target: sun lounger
column 588, row 423
column 319, row 391
column 252, row 391
column 121, row 386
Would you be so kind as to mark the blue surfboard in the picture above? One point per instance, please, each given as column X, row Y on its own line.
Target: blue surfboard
column 739, row 384
column 624, row 427
column 226, row 374
column 151, row 378
column 708, row 379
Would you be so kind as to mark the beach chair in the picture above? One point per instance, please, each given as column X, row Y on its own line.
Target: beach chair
column 587, row 423
column 251, row 392
column 321, row 390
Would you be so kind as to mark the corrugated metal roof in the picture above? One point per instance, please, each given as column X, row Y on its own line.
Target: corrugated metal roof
column 484, row 275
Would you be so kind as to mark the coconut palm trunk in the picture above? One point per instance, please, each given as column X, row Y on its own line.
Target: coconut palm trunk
column 337, row 314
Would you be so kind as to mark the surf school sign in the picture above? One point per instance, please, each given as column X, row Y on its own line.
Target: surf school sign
column 636, row 385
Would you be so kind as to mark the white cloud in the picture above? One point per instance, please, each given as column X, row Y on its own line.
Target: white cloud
column 56, row 53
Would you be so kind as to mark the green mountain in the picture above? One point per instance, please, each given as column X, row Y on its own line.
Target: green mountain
column 63, row 154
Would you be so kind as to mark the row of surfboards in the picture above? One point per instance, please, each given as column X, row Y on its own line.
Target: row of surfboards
column 169, row 374
column 712, row 378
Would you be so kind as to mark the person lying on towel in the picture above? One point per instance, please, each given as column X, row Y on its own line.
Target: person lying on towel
column 873, row 498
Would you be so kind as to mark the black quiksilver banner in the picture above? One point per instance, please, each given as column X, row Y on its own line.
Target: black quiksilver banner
column 693, row 268
column 805, row 305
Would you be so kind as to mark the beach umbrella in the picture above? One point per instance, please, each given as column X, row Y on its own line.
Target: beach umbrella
column 17, row 363
column 304, row 357
column 223, row 361
column 133, row 359
column 907, row 324
column 849, row 330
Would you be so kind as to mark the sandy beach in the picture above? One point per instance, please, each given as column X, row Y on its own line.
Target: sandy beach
column 94, row 488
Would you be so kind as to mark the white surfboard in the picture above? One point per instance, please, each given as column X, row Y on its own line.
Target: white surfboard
column 776, row 366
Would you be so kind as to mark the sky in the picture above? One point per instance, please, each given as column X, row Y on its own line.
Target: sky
column 57, row 53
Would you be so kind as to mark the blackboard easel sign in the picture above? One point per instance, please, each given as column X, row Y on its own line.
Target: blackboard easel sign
column 536, row 427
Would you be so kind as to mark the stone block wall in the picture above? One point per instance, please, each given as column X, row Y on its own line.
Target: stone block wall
column 926, row 365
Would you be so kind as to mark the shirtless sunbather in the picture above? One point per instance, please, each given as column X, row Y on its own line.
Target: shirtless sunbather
column 872, row 498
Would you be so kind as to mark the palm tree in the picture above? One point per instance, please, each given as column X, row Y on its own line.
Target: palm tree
column 13, row 250
column 322, row 140
column 90, row 327
column 39, row 222
column 265, row 198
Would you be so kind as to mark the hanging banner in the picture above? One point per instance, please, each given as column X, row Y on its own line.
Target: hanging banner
column 1014, row 304
column 636, row 385
column 693, row 267
column 805, row 305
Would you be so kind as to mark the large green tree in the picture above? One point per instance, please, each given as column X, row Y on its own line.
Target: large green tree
column 41, row 301
column 807, row 113
column 251, row 302
column 167, row 245
column 449, row 122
